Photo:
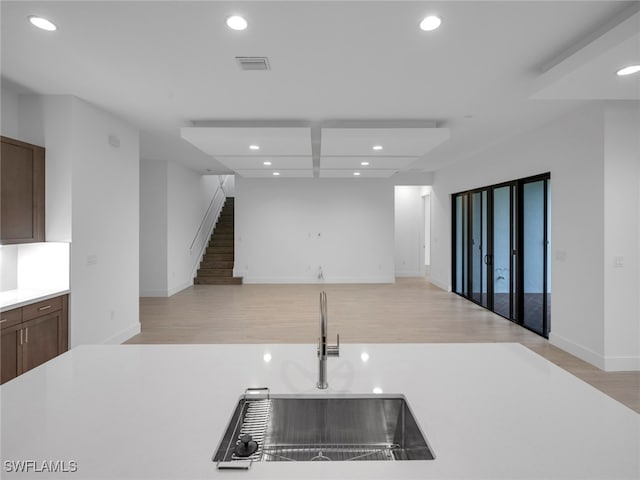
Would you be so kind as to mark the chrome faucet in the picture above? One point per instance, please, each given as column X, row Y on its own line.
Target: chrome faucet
column 325, row 350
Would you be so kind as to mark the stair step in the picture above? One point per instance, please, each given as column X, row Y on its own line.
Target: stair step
column 216, row 267
column 222, row 235
column 215, row 250
column 224, row 228
column 218, row 257
column 217, row 264
column 221, row 242
column 215, row 272
column 218, row 281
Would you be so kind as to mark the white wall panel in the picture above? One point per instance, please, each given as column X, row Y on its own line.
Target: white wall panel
column 289, row 230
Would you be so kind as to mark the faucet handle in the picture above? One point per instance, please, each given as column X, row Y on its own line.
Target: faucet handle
column 334, row 350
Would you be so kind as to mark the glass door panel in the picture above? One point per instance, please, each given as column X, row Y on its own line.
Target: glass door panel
column 461, row 244
column 479, row 253
column 502, row 248
column 484, row 250
column 476, row 247
column 547, row 309
column 533, row 255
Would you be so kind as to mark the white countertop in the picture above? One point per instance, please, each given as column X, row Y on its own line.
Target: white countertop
column 490, row 411
column 11, row 299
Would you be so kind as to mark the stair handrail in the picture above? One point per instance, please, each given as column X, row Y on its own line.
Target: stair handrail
column 207, row 224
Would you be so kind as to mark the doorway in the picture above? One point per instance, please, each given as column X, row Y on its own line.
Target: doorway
column 501, row 244
column 412, row 229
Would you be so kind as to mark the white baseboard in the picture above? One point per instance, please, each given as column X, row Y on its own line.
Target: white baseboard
column 625, row 363
column 165, row 293
column 312, row 280
column 443, row 285
column 179, row 288
column 579, row 351
column 622, row 364
column 124, row 335
column 407, row 273
column 153, row 293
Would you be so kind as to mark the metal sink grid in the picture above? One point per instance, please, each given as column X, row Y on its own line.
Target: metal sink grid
column 323, row 428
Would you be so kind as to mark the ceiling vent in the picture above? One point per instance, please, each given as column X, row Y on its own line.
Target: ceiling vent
column 253, row 63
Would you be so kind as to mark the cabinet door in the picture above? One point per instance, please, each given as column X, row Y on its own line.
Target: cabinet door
column 11, row 353
column 22, row 192
column 40, row 340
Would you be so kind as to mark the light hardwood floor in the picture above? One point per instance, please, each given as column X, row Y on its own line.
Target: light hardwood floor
column 409, row 311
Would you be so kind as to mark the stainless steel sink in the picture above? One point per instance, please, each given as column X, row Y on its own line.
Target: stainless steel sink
column 320, row 427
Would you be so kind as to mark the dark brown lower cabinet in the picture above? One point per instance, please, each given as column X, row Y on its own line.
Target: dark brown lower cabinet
column 33, row 335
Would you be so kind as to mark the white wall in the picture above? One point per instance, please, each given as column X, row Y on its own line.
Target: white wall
column 47, row 121
column 43, row 266
column 287, row 229
column 572, row 149
column 173, row 202
column 105, row 228
column 9, row 113
column 189, row 195
column 92, row 191
column 229, row 185
column 8, row 267
column 426, row 195
column 409, row 231
column 153, row 228
column 621, row 239
column 35, row 266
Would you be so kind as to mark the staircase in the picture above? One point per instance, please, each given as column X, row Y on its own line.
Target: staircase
column 216, row 267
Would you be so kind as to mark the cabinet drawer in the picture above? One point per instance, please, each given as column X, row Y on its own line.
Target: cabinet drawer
column 41, row 308
column 10, row 318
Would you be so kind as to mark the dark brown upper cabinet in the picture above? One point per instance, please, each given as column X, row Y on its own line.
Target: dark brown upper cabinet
column 22, row 173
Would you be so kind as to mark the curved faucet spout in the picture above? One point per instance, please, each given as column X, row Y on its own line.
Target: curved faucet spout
column 324, row 349
column 324, row 320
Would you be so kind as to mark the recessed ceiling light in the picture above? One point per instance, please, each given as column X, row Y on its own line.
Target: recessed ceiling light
column 266, row 163
column 430, row 23
column 356, row 174
column 254, row 147
column 364, row 164
column 364, row 356
column 377, row 147
column 275, row 174
column 267, row 357
column 377, row 390
column 236, row 22
column 628, row 70
column 42, row 23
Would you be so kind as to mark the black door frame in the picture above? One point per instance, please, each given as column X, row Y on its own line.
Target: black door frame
column 516, row 243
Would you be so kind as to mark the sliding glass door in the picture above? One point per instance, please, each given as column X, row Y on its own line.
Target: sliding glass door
column 503, row 264
column 501, row 254
column 479, row 253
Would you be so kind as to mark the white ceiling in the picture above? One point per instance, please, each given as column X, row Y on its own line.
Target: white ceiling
column 492, row 70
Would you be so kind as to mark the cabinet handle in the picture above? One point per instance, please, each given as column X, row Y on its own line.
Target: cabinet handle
column 4, row 320
column 46, row 307
column 21, row 342
column 26, row 335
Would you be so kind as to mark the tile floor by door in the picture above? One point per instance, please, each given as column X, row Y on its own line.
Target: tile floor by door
column 410, row 311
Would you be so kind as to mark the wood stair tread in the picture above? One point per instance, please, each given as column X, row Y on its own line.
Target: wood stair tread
column 216, row 266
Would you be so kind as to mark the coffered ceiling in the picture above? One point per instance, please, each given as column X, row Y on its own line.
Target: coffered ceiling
column 341, row 152
column 337, row 68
